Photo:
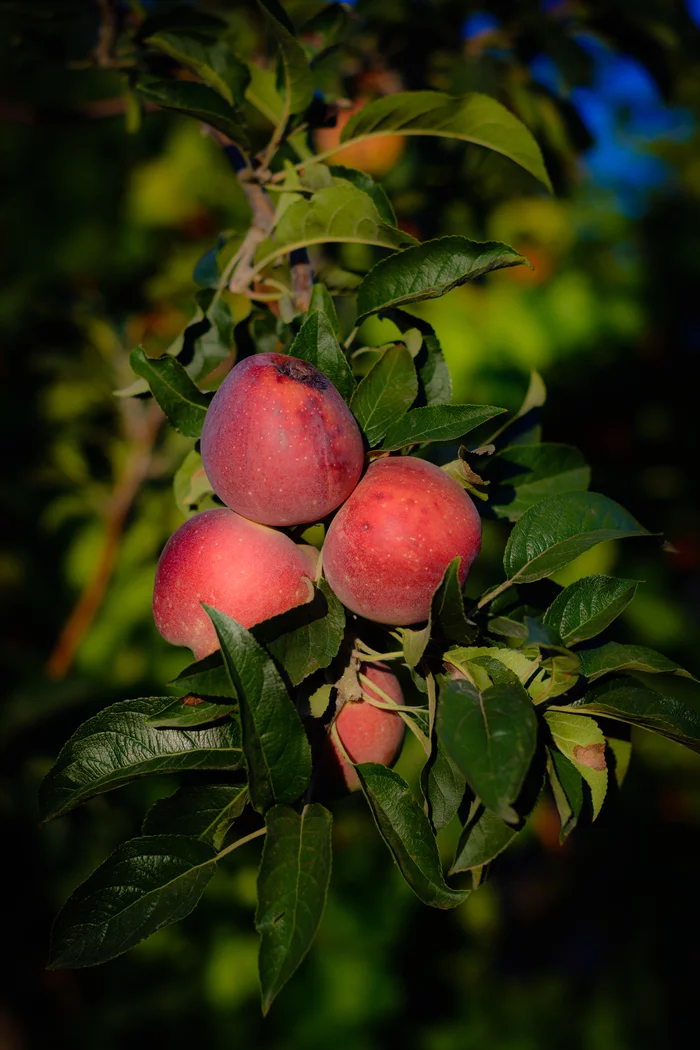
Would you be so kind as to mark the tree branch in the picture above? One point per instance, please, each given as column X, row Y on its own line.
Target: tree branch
column 144, row 426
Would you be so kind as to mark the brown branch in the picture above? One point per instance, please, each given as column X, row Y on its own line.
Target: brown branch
column 144, row 426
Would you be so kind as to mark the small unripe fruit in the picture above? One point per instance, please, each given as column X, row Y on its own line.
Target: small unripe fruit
column 241, row 568
column 367, row 733
column 388, row 546
column 279, row 444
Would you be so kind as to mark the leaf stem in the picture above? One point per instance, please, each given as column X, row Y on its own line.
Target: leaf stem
column 240, row 842
column 494, row 593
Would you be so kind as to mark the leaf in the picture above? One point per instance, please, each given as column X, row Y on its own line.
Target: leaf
column 521, row 664
column 205, row 812
column 435, row 383
column 317, row 343
column 298, row 81
column 322, row 300
column 374, row 190
column 430, row 270
column 437, row 423
column 588, row 606
column 664, row 704
column 524, row 427
column 567, row 787
column 293, row 882
column 117, row 746
column 277, row 753
column 145, row 884
column 213, row 61
column 191, row 486
column 522, row 475
column 443, row 787
column 207, row 340
column 406, row 830
column 474, row 118
column 324, row 29
column 190, row 710
column 559, row 529
column 482, row 841
column 196, row 100
column 447, row 607
column 207, row 677
column 305, row 639
column 184, row 405
column 335, row 214
column 385, row 393
column 491, row 735
column 616, row 657
column 581, row 740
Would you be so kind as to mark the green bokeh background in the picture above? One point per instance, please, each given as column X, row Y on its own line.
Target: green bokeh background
column 591, row 946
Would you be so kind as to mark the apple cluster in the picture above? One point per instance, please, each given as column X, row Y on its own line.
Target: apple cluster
column 282, row 449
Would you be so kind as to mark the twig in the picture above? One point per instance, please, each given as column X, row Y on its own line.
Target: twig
column 107, row 34
column 263, row 221
column 145, row 426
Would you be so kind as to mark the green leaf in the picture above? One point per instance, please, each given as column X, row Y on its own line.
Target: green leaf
column 443, row 787
column 523, row 665
column 664, row 704
column 430, row 270
column 317, row 343
column 522, row 475
column 581, row 740
column 374, row 190
column 616, row 657
column 435, row 382
column 213, row 61
column 298, row 80
column 207, row 677
column 277, row 753
column 567, row 788
column 322, row 300
column 482, row 841
column 324, row 29
column 293, row 881
column 117, row 746
column 588, row 606
column 199, row 101
column 335, row 214
column 474, row 118
column 437, row 423
column 145, row 884
column 559, row 529
column 305, row 639
column 191, row 486
column 386, row 392
column 524, row 427
column 184, row 405
column 491, row 734
column 187, row 711
column 447, row 607
column 406, row 830
column 205, row 812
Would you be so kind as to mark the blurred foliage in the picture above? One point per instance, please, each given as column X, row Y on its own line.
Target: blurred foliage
column 592, row 945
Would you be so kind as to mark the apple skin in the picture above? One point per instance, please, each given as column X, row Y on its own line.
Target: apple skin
column 389, row 544
column 279, row 444
column 368, row 734
column 243, row 569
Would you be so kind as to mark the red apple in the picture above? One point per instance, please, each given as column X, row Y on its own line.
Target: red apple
column 388, row 546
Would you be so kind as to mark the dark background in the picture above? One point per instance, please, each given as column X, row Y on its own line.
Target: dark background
column 590, row 945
